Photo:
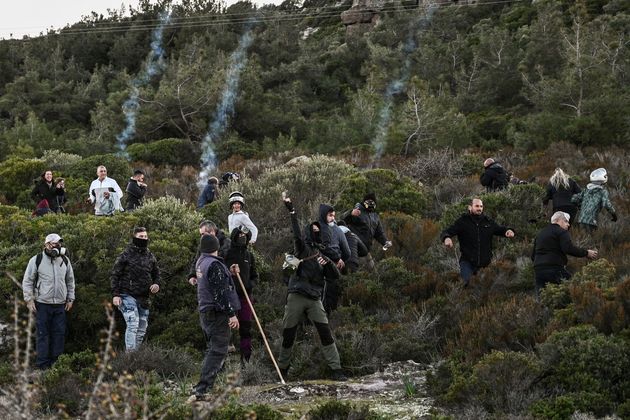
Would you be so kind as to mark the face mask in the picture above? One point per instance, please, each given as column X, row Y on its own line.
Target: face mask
column 331, row 223
column 140, row 243
column 370, row 205
column 241, row 241
column 316, row 236
column 55, row 252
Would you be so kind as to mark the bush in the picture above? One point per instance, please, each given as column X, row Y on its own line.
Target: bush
column 117, row 168
column 564, row 406
column 17, row 176
column 59, row 161
column 166, row 152
column 340, row 410
column 168, row 363
column 235, row 411
column 602, row 272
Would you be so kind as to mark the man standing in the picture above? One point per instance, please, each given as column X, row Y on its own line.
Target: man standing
column 218, row 303
column 206, row 227
column 474, row 231
column 305, row 289
column 551, row 247
column 48, row 287
column 364, row 222
column 136, row 189
column 135, row 275
column 104, row 193
column 494, row 176
column 337, row 248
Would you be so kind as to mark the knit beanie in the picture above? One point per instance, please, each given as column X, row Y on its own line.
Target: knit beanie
column 208, row 244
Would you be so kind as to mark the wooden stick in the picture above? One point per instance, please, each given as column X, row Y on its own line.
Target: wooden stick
column 249, row 302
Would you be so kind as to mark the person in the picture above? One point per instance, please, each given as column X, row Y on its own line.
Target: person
column 48, row 288
column 494, row 176
column 134, row 277
column 305, row 291
column 592, row 200
column 104, row 193
column 217, row 304
column 332, row 237
column 206, row 227
column 239, row 255
column 136, row 189
column 41, row 209
column 228, row 177
column 209, row 192
column 47, row 189
column 240, row 217
column 357, row 248
column 364, row 222
column 60, row 199
column 560, row 189
column 551, row 247
column 475, row 231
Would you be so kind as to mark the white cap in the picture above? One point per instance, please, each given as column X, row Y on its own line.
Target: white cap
column 53, row 237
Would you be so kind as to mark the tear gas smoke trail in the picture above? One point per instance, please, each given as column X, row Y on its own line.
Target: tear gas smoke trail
column 225, row 108
column 396, row 86
column 153, row 66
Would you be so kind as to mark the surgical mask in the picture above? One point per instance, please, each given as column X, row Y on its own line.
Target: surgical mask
column 331, row 223
column 140, row 243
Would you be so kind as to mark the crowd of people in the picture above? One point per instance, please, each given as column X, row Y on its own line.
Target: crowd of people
column 224, row 271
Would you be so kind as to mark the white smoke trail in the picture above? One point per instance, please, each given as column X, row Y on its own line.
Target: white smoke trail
column 396, row 86
column 154, row 65
column 225, row 108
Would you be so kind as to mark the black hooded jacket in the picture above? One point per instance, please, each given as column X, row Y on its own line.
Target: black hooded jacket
column 310, row 277
column 475, row 237
column 135, row 270
column 495, row 177
column 367, row 226
column 135, row 194
column 239, row 254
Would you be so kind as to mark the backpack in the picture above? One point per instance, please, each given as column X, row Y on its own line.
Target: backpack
column 38, row 261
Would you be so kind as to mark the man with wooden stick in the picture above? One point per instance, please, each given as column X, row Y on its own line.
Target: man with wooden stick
column 218, row 303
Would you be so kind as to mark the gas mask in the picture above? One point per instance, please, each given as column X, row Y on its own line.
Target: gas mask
column 140, row 243
column 56, row 251
column 370, row 205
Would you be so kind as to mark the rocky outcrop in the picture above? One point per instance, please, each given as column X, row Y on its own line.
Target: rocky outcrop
column 362, row 16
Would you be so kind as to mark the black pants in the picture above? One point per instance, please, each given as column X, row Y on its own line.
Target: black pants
column 548, row 275
column 51, row 333
column 217, row 334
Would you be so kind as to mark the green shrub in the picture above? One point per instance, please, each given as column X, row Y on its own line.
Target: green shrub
column 17, row 176
column 340, row 410
column 168, row 363
column 602, row 272
column 237, row 147
column 59, row 161
column 564, row 406
column 117, row 168
column 166, row 152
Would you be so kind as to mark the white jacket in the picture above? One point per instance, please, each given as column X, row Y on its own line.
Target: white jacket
column 241, row 218
column 97, row 199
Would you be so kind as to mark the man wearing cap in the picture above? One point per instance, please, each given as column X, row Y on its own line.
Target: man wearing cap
column 551, row 247
column 475, row 231
column 364, row 222
column 218, row 303
column 48, row 287
column 239, row 217
column 134, row 277
column 136, row 189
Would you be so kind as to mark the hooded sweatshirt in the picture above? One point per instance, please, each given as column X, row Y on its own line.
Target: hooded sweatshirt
column 591, row 200
column 336, row 245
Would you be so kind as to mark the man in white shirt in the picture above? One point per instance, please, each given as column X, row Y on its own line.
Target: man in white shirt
column 105, row 194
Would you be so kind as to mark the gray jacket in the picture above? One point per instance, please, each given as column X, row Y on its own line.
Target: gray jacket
column 55, row 284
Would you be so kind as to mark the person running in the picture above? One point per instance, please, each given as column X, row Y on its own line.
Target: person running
column 560, row 189
column 592, row 199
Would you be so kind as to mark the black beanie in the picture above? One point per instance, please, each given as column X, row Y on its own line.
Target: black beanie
column 208, row 244
column 370, row 196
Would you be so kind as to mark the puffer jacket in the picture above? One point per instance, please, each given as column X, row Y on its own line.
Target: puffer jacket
column 310, row 278
column 240, row 254
column 494, row 177
column 55, row 281
column 591, row 200
column 367, row 226
column 135, row 270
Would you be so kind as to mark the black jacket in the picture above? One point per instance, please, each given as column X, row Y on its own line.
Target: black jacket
column 310, row 278
column 561, row 198
column 475, row 237
column 239, row 254
column 135, row 195
column 494, row 177
column 357, row 249
column 55, row 196
column 551, row 247
column 224, row 246
column 367, row 226
column 135, row 270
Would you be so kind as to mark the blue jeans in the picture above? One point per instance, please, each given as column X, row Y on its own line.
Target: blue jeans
column 467, row 270
column 137, row 320
column 51, row 333
column 216, row 331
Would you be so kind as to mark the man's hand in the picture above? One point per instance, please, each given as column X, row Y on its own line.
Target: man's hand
column 592, row 254
column 340, row 264
column 509, row 233
column 356, row 212
column 68, row 306
column 322, row 261
column 388, row 244
column 192, row 281
column 31, row 305
column 235, row 269
column 233, row 323
column 448, row 242
column 116, row 300
column 142, row 184
column 154, row 288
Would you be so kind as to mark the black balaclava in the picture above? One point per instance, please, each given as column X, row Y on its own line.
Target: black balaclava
column 139, row 242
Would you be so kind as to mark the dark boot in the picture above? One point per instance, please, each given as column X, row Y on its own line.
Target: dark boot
column 338, row 375
column 284, row 372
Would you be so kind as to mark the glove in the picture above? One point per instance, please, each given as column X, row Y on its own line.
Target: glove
column 613, row 217
column 289, row 206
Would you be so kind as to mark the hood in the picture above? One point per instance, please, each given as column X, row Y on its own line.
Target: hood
column 308, row 237
column 495, row 165
column 234, row 236
column 593, row 186
column 324, row 209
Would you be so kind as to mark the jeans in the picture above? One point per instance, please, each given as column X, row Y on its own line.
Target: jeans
column 137, row 319
column 216, row 331
column 554, row 275
column 51, row 333
column 467, row 270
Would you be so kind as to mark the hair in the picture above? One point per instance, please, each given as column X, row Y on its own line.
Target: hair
column 138, row 172
column 58, row 180
column 138, row 229
column 488, row 162
column 560, row 215
column 99, row 167
column 208, row 225
column 559, row 179
column 475, row 198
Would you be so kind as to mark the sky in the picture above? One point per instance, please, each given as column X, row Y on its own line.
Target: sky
column 30, row 17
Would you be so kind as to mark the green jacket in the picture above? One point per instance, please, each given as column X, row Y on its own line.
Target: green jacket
column 591, row 200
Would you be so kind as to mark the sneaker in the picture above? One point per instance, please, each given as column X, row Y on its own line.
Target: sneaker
column 338, row 375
